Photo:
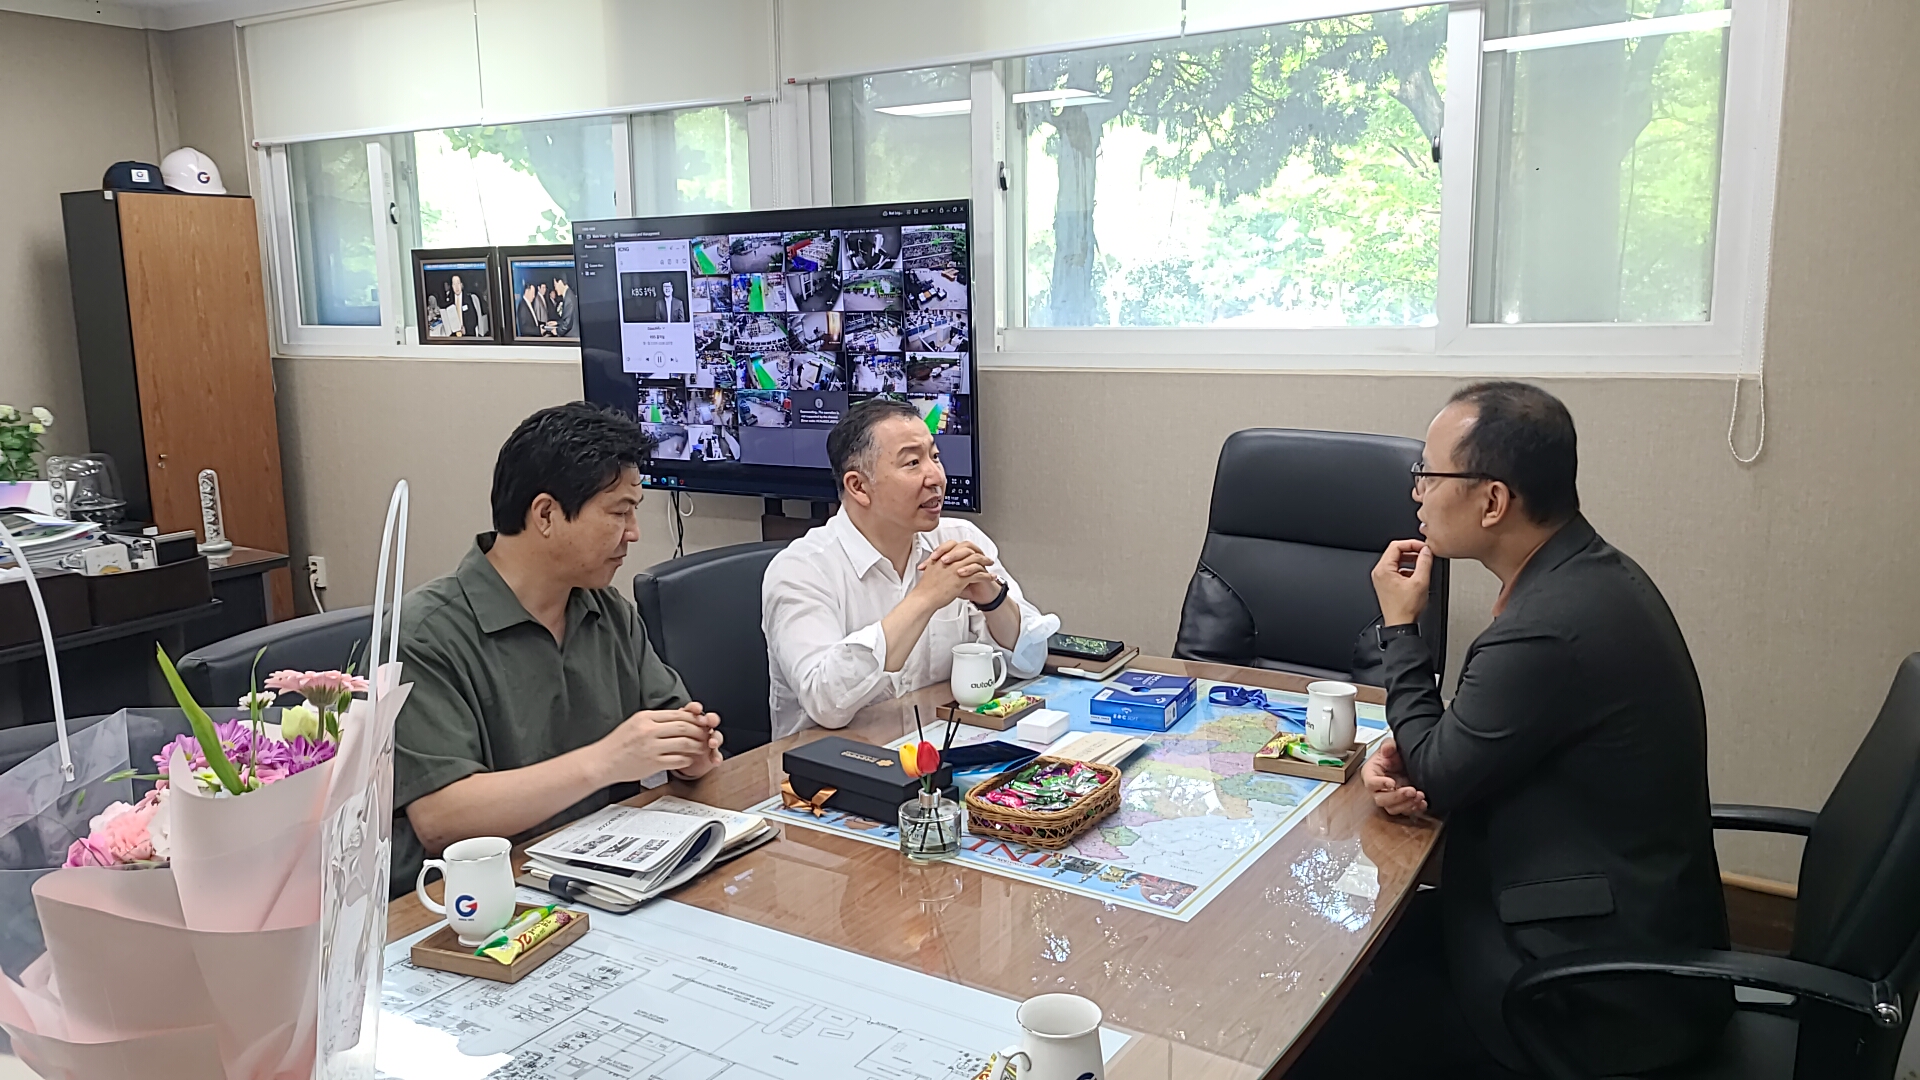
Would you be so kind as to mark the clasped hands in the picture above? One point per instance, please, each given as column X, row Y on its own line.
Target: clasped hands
column 957, row 570
column 685, row 741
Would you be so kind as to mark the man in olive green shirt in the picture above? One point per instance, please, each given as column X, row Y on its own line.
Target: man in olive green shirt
column 536, row 696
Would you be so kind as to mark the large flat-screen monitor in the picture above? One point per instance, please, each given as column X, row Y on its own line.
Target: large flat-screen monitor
column 738, row 340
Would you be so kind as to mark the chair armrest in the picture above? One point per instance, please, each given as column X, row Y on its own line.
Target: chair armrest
column 1775, row 819
column 1531, row 1024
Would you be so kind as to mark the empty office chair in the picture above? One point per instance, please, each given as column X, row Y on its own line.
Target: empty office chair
column 1298, row 520
column 1854, row 968
column 702, row 614
column 219, row 673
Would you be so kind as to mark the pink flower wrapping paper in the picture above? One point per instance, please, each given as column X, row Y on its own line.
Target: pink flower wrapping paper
column 230, row 962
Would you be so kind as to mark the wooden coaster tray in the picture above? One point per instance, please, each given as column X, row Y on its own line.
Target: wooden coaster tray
column 442, row 951
column 952, row 710
column 1269, row 761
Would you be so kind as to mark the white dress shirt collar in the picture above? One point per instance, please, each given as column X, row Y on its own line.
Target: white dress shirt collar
column 861, row 552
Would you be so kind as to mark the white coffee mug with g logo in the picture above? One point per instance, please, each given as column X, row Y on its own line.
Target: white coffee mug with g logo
column 978, row 671
column 479, row 890
column 1060, row 1040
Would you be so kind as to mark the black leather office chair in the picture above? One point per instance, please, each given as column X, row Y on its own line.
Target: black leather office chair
column 1299, row 518
column 1854, row 968
column 702, row 614
column 218, row 674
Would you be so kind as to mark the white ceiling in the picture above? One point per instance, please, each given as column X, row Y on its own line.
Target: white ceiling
column 159, row 14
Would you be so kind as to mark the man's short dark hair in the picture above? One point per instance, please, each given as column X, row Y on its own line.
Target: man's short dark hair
column 571, row 452
column 1523, row 437
column 850, row 443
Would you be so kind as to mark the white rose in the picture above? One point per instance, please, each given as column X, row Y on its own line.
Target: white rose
column 41, row 414
column 8, row 412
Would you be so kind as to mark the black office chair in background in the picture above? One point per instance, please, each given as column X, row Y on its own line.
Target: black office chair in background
column 1854, row 969
column 1299, row 518
column 219, row 673
column 702, row 614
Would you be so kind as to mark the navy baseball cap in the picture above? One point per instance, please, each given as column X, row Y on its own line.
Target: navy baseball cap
column 133, row 176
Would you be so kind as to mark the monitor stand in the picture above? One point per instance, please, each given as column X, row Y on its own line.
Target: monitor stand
column 776, row 525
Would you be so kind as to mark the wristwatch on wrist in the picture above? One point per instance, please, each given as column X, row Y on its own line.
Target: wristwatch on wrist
column 1384, row 634
column 997, row 600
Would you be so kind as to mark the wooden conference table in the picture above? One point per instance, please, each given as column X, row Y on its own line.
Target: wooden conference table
column 1227, row 995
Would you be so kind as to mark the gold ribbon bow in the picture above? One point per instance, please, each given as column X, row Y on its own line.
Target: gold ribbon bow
column 817, row 804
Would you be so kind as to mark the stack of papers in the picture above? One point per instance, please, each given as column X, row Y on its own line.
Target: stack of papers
column 623, row 856
column 47, row 540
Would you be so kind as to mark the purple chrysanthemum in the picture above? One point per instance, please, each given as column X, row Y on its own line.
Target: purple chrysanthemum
column 236, row 740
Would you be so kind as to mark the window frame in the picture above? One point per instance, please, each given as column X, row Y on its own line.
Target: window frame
column 1728, row 342
column 790, row 148
column 393, row 338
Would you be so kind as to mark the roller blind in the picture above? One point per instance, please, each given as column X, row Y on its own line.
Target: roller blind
column 577, row 56
column 386, row 67
column 409, row 65
column 821, row 39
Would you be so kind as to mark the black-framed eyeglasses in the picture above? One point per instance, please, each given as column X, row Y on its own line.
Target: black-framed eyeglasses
column 1421, row 474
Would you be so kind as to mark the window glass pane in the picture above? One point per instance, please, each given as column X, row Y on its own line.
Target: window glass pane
column 1599, row 162
column 514, row 184
column 691, row 161
column 901, row 137
column 1278, row 176
column 333, row 233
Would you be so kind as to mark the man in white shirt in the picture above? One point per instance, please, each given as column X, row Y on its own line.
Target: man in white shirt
column 870, row 605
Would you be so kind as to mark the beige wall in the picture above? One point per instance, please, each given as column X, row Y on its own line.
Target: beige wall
column 74, row 98
column 203, row 66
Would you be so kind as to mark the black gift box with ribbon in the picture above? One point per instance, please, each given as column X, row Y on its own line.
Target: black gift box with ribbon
column 840, row 774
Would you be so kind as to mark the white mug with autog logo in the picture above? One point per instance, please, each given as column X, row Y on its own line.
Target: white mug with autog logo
column 1060, row 1040
column 1330, row 716
column 978, row 671
column 479, row 890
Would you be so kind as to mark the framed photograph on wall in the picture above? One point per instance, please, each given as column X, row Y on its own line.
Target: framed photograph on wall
column 537, row 293
column 455, row 290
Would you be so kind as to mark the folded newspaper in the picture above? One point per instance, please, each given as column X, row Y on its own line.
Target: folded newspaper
column 622, row 856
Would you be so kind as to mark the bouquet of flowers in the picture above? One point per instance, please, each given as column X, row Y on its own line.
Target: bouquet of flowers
column 230, row 923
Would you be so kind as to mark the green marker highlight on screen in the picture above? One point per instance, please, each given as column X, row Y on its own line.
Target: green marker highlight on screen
column 757, row 295
column 762, row 378
column 706, row 261
column 653, row 414
column 936, row 417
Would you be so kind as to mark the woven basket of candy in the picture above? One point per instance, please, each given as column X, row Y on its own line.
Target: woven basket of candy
column 1044, row 803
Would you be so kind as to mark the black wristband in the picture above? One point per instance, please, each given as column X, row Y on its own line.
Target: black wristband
column 1384, row 634
column 998, row 600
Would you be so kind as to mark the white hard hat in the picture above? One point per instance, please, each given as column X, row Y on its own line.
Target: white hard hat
column 191, row 171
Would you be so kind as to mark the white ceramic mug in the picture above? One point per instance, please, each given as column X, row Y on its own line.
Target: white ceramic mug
column 1330, row 716
column 978, row 671
column 1060, row 1040
column 479, row 888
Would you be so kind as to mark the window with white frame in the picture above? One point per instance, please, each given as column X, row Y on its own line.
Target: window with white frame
column 1276, row 176
column 501, row 185
column 901, row 137
column 1599, row 167
column 333, row 233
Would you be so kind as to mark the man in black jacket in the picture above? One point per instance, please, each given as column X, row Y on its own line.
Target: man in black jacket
column 1570, row 766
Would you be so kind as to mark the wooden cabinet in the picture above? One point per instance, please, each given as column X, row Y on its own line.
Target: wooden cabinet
column 171, row 318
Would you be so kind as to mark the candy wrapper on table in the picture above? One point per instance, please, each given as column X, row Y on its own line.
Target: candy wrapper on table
column 253, row 954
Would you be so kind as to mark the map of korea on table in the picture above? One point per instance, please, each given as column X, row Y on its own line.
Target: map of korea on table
column 1193, row 811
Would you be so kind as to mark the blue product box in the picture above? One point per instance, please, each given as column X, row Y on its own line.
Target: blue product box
column 1143, row 699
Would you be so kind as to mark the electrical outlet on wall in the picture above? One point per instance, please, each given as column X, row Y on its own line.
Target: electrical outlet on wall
column 317, row 570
